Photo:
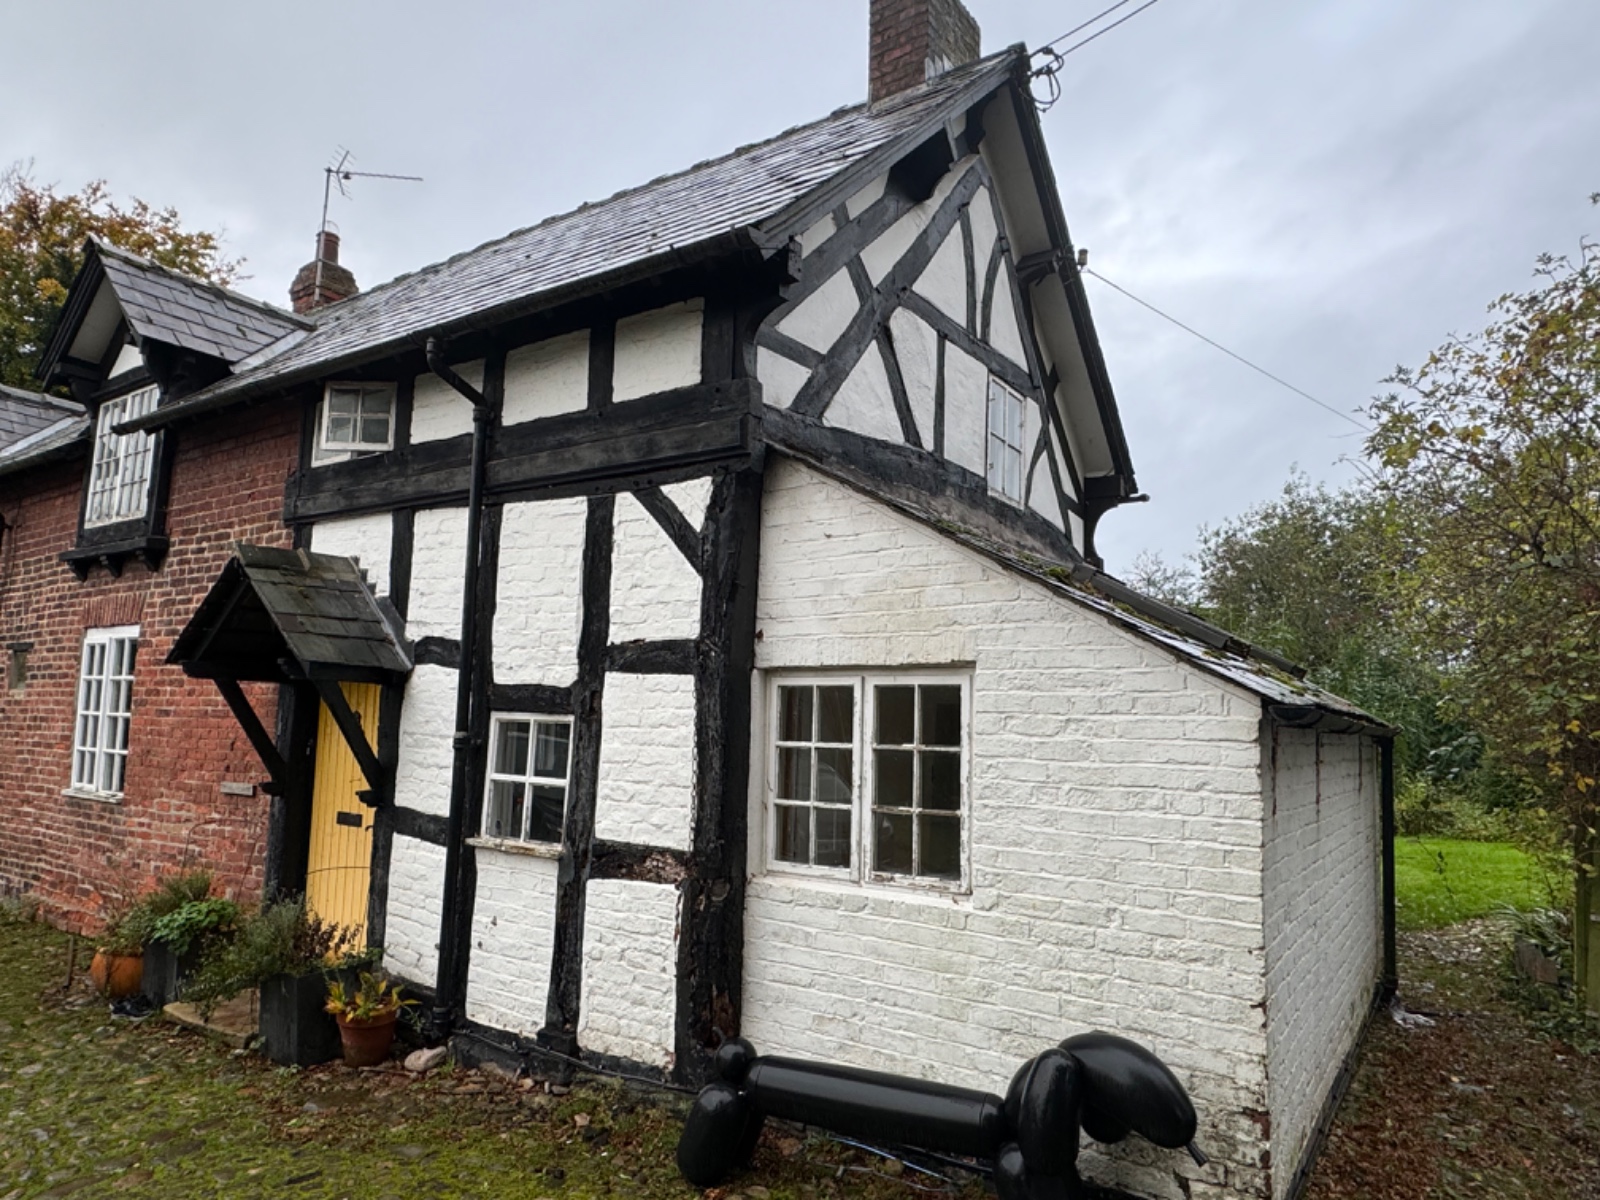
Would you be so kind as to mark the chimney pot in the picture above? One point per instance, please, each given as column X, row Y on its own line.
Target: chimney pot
column 322, row 281
column 912, row 41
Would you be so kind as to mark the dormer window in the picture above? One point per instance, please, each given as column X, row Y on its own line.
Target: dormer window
column 119, row 475
column 356, row 418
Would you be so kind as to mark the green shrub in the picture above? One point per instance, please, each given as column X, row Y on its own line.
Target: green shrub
column 283, row 938
column 194, row 923
column 1424, row 808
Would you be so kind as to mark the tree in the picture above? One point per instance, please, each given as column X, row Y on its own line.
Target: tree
column 42, row 234
column 1494, row 443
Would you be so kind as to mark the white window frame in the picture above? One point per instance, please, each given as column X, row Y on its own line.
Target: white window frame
column 1005, row 442
column 863, row 717
column 497, row 722
column 120, row 471
column 336, row 450
column 103, row 714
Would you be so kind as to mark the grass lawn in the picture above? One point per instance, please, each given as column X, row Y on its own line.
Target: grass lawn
column 1439, row 881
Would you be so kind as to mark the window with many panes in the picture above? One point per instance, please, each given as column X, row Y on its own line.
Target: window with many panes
column 1006, row 454
column 105, row 704
column 868, row 777
column 526, row 796
column 119, row 473
column 356, row 417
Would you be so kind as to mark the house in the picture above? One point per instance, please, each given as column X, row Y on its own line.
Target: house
column 115, row 768
column 689, row 622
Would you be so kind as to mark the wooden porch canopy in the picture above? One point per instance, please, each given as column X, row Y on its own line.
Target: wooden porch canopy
column 290, row 616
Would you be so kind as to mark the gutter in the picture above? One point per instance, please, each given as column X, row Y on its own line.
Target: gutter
column 447, row 985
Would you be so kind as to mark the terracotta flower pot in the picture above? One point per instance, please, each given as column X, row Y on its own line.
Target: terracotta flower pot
column 366, row 1043
column 116, row 976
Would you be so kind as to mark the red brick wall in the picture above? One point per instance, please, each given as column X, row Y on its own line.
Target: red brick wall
column 227, row 485
column 906, row 34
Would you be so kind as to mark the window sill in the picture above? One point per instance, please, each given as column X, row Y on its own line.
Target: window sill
column 842, row 881
column 80, row 793
column 114, row 555
column 546, row 850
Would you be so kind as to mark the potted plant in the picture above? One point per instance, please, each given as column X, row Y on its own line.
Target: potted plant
column 166, row 967
column 118, row 964
column 285, row 951
column 366, row 1017
column 185, row 934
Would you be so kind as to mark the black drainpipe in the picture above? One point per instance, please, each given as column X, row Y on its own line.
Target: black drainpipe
column 448, row 982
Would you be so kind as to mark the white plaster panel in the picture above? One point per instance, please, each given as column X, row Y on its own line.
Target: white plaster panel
column 966, row 410
column 427, row 724
column 513, row 927
column 864, row 403
column 655, row 591
column 438, row 563
column 916, row 346
column 628, row 1005
column 1043, row 499
column 781, row 379
column 411, row 925
column 866, row 197
column 880, row 257
column 821, row 317
column 438, row 410
column 547, row 378
column 129, row 358
column 980, row 214
column 1005, row 329
column 539, row 603
column 816, row 235
column 692, row 497
column 645, row 793
column 944, row 281
column 1323, row 923
column 368, row 539
column 1115, row 841
column 657, row 351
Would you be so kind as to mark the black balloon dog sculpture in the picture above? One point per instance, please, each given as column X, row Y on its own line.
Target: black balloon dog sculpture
column 1106, row 1084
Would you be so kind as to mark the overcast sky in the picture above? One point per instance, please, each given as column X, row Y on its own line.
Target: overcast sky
column 1328, row 187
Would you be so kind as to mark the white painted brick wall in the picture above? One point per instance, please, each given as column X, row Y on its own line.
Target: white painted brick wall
column 437, row 409
column 416, row 889
column 1323, row 924
column 547, row 378
column 513, row 924
column 539, row 601
column 368, row 539
column 630, row 952
column 655, row 592
column 864, row 404
column 427, row 723
column 438, row 561
column 657, row 351
column 645, row 791
column 1115, row 832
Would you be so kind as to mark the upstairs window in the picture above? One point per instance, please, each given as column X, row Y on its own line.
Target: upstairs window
column 1006, row 454
column 356, row 418
column 105, row 707
column 119, row 475
column 526, row 797
column 868, row 778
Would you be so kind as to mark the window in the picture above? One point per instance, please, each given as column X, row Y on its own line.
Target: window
column 119, row 476
column 868, row 777
column 105, row 703
column 526, row 797
column 356, row 417
column 1006, row 454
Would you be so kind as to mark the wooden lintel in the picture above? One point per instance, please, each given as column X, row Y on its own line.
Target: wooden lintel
column 260, row 740
column 355, row 737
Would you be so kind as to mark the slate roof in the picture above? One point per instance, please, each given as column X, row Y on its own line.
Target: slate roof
column 269, row 604
column 753, row 194
column 24, row 414
column 171, row 307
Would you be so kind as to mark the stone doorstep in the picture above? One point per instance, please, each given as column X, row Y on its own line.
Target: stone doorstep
column 233, row 1022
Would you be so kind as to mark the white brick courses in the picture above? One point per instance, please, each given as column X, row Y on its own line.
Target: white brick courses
column 645, row 791
column 657, row 351
column 539, row 598
column 438, row 561
column 416, row 889
column 655, row 590
column 547, row 378
column 369, row 539
column 513, row 925
column 629, row 995
column 437, row 409
column 427, row 724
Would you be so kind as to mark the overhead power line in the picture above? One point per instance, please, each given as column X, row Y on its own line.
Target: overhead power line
column 1054, row 58
column 1189, row 329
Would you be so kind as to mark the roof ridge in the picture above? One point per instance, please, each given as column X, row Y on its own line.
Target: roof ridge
column 42, row 399
column 886, row 105
column 139, row 260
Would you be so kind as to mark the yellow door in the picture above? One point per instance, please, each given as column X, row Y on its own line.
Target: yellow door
column 339, row 865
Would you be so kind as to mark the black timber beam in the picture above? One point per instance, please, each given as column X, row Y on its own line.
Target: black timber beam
column 260, row 740
column 355, row 737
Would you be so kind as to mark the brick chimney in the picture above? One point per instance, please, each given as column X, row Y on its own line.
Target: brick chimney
column 313, row 288
column 915, row 40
